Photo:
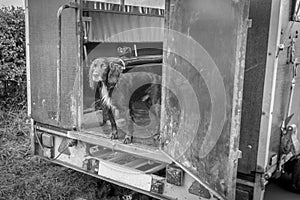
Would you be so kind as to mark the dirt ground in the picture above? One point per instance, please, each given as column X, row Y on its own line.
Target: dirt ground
column 281, row 189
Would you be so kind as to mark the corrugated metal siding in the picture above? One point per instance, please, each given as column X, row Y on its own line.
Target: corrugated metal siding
column 115, row 27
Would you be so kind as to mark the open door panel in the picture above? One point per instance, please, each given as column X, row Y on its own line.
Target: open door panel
column 204, row 53
column 44, row 55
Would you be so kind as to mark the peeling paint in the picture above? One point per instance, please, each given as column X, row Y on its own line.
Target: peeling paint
column 44, row 103
column 73, row 108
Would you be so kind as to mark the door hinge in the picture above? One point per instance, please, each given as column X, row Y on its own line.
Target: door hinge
column 74, row 5
column 249, row 23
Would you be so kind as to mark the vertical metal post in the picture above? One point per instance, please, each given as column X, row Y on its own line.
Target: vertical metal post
column 28, row 78
column 122, row 5
column 79, row 90
column 268, row 98
column 58, row 68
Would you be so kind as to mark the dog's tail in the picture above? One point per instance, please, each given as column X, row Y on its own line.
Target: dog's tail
column 106, row 98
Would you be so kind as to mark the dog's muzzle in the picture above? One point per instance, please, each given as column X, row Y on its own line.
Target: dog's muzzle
column 96, row 77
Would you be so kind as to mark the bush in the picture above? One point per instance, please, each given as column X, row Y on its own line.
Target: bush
column 12, row 57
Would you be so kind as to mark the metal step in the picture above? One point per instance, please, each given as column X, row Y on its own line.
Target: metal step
column 127, row 168
column 147, row 152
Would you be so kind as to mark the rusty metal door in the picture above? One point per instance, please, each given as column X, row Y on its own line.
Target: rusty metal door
column 204, row 54
column 54, row 99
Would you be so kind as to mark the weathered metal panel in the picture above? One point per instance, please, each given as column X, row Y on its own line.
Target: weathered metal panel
column 295, row 101
column 43, row 39
column 283, row 80
column 204, row 67
column 256, row 55
column 268, row 116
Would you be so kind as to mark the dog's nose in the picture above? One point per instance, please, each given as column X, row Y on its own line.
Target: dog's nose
column 96, row 77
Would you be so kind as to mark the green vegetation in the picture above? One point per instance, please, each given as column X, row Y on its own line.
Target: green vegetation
column 25, row 177
column 12, row 58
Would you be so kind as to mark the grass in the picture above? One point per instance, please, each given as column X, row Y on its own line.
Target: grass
column 24, row 177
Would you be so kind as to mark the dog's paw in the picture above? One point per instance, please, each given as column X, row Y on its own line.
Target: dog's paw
column 157, row 137
column 127, row 139
column 102, row 123
column 113, row 135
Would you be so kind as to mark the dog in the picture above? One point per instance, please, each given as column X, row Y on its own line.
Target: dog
column 105, row 73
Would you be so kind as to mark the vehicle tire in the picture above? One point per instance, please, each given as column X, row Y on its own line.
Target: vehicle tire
column 296, row 175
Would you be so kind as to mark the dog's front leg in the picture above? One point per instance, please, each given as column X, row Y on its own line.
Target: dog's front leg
column 104, row 115
column 98, row 101
column 129, row 136
column 99, row 104
column 114, row 129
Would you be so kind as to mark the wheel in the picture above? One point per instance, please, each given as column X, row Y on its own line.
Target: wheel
column 296, row 174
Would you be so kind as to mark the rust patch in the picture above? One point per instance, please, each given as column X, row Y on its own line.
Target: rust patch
column 52, row 115
column 199, row 190
column 174, row 175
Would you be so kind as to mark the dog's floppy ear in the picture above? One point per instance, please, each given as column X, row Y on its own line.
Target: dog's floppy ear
column 116, row 66
column 117, row 61
column 91, row 71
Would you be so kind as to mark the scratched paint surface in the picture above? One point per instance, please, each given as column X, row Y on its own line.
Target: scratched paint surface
column 255, row 66
column 204, row 55
column 43, row 39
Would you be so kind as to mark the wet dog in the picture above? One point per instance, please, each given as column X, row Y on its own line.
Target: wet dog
column 105, row 73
